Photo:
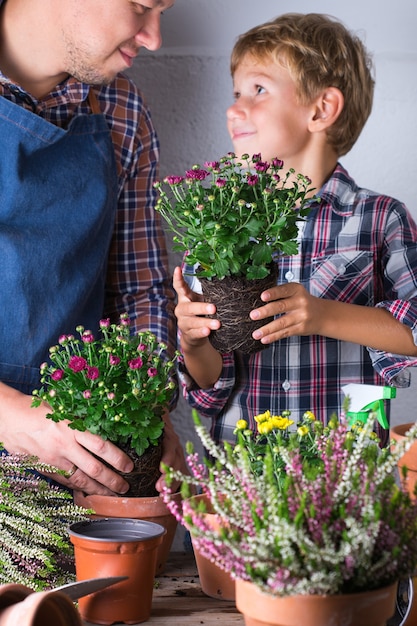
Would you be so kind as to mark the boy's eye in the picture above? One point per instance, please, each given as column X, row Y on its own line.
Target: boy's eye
column 236, row 95
column 260, row 89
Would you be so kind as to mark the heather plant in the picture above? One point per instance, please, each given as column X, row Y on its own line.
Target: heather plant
column 232, row 216
column 304, row 509
column 116, row 385
column 35, row 549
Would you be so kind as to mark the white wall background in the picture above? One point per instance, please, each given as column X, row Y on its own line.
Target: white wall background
column 188, row 87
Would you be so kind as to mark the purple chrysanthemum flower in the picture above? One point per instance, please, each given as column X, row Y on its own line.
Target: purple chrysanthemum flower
column 57, row 375
column 105, row 323
column 93, row 373
column 221, row 182
column 87, row 336
column 252, row 179
column 77, row 363
column 152, row 371
column 174, row 180
column 261, row 166
column 87, row 394
column 135, row 364
column 196, row 174
column 114, row 359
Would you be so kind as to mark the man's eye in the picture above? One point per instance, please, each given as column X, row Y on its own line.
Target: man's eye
column 140, row 8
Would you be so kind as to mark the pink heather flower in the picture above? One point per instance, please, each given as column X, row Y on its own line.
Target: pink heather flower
column 105, row 323
column 141, row 347
column 277, row 163
column 212, row 164
column 135, row 364
column 77, row 363
column 93, row 373
column 221, row 182
column 174, row 180
column 57, row 375
column 256, row 157
column 114, row 360
column 152, row 371
column 111, row 395
column 125, row 321
column 252, row 179
column 87, row 336
column 62, row 339
column 197, row 174
column 87, row 394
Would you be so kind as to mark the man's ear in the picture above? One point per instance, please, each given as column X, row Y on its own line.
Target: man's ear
column 326, row 109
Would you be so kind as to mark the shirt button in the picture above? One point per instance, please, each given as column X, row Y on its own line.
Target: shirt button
column 286, row 385
column 289, row 276
column 342, row 269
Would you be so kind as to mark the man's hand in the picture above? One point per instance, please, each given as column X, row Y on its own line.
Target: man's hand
column 26, row 430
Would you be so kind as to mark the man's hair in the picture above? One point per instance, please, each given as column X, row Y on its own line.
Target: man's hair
column 319, row 52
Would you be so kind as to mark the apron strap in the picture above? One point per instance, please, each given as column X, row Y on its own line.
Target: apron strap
column 93, row 102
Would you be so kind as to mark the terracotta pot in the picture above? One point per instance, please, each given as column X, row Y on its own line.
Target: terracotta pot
column 20, row 606
column 214, row 581
column 117, row 547
column 368, row 608
column 409, row 459
column 151, row 509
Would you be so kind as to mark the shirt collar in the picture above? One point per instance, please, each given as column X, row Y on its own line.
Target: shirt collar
column 339, row 191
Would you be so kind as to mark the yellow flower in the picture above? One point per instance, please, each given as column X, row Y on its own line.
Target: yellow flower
column 309, row 415
column 281, row 422
column 241, row 424
column 265, row 427
column 262, row 417
column 303, row 431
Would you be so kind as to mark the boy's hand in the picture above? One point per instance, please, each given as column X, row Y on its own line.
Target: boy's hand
column 300, row 313
column 190, row 312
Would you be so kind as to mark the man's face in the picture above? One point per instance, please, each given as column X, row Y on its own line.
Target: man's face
column 103, row 38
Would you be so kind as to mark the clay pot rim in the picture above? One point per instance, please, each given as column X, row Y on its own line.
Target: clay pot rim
column 400, row 429
column 132, row 530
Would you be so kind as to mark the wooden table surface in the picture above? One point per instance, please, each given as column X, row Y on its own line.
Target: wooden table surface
column 178, row 599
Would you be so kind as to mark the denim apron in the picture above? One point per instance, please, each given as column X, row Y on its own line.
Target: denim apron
column 58, row 198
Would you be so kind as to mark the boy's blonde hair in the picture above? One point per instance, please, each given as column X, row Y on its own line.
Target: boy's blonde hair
column 319, row 52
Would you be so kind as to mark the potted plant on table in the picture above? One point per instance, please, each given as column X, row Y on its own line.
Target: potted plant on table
column 118, row 386
column 233, row 218
column 312, row 520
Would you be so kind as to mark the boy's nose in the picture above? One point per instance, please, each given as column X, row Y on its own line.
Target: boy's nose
column 149, row 34
column 235, row 111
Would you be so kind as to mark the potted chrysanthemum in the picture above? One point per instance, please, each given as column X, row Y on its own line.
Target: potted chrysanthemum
column 233, row 218
column 115, row 385
column 310, row 513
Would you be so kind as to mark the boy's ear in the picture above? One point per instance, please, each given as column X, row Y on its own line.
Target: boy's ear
column 326, row 109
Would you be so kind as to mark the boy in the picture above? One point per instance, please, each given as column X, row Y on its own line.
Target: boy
column 347, row 303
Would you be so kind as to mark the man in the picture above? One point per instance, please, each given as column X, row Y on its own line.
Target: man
column 78, row 234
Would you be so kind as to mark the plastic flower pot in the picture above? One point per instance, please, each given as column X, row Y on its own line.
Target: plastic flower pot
column 409, row 459
column 214, row 581
column 367, row 608
column 152, row 509
column 117, row 547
